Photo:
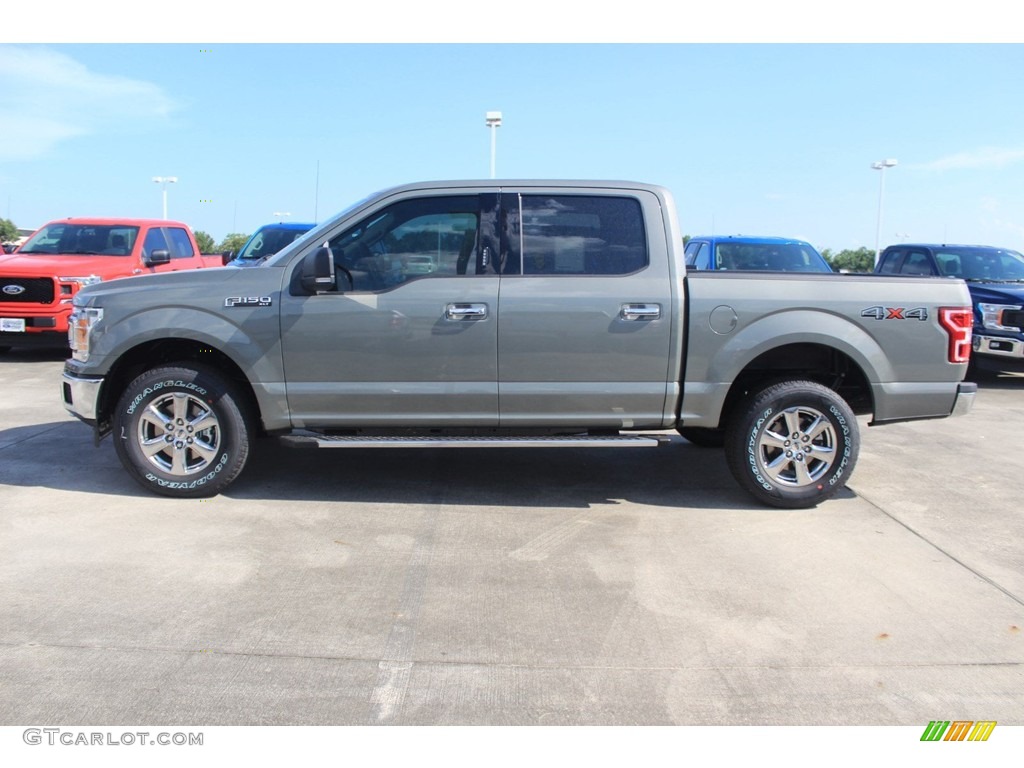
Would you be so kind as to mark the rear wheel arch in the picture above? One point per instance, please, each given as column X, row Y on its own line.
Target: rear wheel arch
column 819, row 363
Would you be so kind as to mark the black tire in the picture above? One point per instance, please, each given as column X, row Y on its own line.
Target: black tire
column 182, row 431
column 793, row 444
column 705, row 437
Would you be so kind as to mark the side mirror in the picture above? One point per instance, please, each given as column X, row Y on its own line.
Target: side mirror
column 227, row 257
column 157, row 258
column 318, row 271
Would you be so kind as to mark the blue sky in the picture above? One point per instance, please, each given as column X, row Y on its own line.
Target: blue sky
column 752, row 138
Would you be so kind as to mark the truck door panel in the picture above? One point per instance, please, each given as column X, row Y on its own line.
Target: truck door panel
column 409, row 339
column 585, row 312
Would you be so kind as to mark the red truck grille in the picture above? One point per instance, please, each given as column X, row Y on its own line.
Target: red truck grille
column 33, row 290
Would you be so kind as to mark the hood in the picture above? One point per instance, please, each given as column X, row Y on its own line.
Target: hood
column 183, row 286
column 245, row 263
column 989, row 293
column 61, row 265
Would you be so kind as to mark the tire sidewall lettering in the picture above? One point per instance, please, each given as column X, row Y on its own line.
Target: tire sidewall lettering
column 153, row 389
column 192, row 484
column 840, row 468
column 755, row 467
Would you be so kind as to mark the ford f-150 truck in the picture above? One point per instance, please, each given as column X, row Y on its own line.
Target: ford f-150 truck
column 520, row 313
column 39, row 280
column 995, row 279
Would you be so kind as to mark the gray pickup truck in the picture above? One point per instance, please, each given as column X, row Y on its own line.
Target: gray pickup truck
column 507, row 314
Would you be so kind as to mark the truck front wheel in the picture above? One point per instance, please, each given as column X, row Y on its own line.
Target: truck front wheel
column 182, row 431
column 793, row 444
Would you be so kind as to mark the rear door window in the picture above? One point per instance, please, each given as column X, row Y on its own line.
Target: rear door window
column 890, row 264
column 575, row 235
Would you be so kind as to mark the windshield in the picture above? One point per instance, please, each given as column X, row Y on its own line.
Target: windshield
column 84, row 239
column 773, row 257
column 982, row 264
column 268, row 241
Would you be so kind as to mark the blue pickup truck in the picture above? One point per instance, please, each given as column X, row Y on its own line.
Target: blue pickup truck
column 766, row 254
column 268, row 240
column 995, row 278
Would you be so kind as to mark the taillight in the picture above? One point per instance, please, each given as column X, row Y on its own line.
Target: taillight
column 958, row 322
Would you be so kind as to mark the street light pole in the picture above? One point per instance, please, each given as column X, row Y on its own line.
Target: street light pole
column 165, row 180
column 880, row 166
column 493, row 120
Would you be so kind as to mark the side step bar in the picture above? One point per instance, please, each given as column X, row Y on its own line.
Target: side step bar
column 433, row 441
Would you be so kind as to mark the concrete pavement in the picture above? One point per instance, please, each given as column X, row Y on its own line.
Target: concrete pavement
column 510, row 587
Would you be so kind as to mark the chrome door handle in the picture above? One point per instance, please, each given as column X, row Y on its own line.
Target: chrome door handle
column 641, row 311
column 465, row 312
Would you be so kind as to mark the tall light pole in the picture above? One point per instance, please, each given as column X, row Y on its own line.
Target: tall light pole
column 281, row 214
column 880, row 166
column 165, row 180
column 493, row 121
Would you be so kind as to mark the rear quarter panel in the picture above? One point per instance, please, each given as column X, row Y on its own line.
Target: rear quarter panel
column 735, row 317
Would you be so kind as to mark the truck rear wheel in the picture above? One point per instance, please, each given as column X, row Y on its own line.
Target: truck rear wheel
column 182, row 431
column 793, row 444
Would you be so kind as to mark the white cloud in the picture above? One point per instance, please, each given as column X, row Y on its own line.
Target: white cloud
column 985, row 158
column 47, row 97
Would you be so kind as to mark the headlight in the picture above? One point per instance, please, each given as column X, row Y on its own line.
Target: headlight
column 78, row 282
column 80, row 327
column 992, row 316
column 82, row 281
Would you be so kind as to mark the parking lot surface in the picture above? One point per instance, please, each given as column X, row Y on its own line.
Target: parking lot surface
column 510, row 587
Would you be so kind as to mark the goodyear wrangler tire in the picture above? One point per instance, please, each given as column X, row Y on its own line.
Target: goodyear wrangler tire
column 793, row 444
column 182, row 431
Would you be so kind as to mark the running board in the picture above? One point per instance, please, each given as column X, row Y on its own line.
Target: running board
column 435, row 441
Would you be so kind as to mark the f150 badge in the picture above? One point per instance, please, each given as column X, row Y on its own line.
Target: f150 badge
column 248, row 301
column 895, row 313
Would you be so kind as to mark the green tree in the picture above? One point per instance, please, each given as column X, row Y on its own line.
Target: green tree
column 8, row 232
column 233, row 242
column 860, row 260
column 205, row 240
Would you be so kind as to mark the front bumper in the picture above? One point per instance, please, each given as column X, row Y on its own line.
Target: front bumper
column 81, row 396
column 999, row 346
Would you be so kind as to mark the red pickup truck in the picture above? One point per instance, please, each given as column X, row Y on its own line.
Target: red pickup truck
column 38, row 281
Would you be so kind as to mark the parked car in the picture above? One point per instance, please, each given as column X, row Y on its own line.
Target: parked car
column 478, row 314
column 768, row 254
column 39, row 280
column 268, row 240
column 995, row 279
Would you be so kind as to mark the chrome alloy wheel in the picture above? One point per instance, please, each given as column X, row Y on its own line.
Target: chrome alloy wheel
column 179, row 434
column 797, row 446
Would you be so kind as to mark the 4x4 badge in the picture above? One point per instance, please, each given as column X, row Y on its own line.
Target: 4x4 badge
column 895, row 313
